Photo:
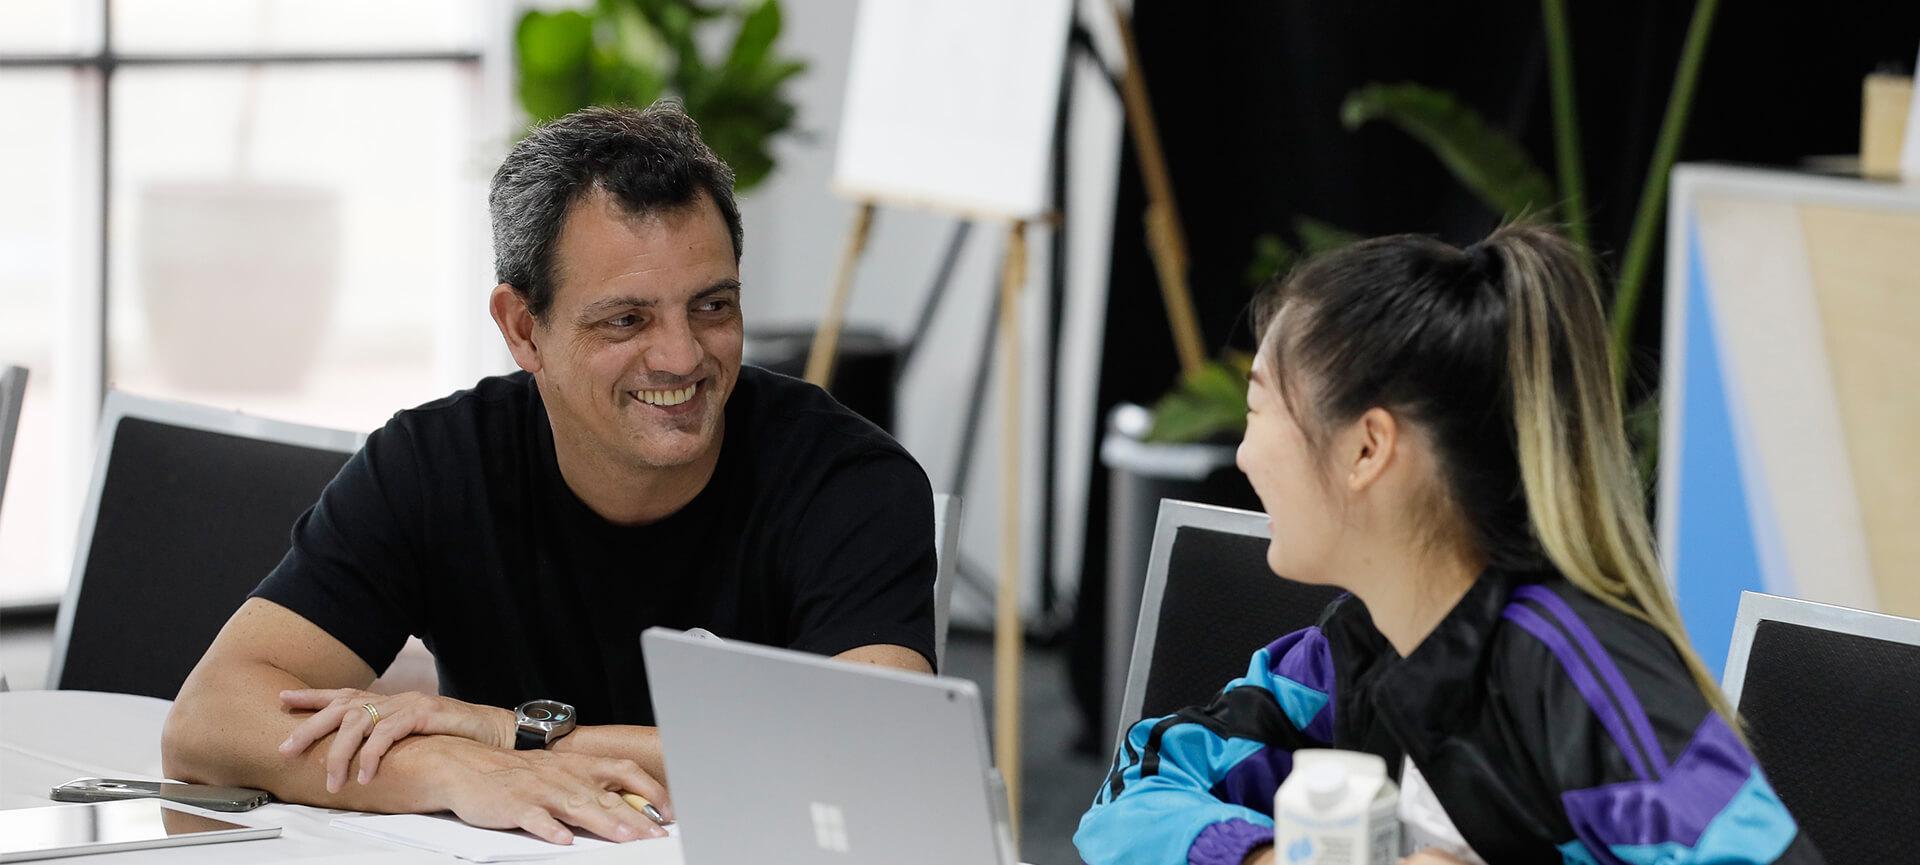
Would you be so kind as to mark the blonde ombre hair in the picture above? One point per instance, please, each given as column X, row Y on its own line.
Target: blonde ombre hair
column 1499, row 352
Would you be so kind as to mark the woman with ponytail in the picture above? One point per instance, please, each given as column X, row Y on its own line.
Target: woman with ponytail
column 1435, row 430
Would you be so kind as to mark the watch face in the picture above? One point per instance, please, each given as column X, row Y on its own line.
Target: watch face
column 546, row 713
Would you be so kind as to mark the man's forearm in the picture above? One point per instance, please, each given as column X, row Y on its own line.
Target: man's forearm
column 621, row 742
column 228, row 723
column 642, row 744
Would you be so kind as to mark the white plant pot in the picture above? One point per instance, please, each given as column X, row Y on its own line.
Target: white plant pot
column 238, row 280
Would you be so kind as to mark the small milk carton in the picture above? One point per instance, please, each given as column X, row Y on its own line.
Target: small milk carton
column 1336, row 808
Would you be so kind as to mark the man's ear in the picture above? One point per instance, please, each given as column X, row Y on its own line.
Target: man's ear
column 1371, row 444
column 516, row 324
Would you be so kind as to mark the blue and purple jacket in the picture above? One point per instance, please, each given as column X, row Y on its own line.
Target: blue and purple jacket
column 1551, row 727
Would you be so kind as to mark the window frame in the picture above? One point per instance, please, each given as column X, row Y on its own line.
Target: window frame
column 85, row 361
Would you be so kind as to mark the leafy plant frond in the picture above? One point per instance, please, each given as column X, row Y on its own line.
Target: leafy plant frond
column 632, row 52
column 1210, row 403
column 1487, row 161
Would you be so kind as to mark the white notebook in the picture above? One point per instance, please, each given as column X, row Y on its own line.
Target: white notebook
column 446, row 834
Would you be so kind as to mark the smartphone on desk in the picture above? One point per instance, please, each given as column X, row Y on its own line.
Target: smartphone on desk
column 197, row 795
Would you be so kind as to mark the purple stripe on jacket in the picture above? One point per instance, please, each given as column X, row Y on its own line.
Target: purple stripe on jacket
column 1252, row 782
column 1583, row 679
column 1305, row 658
column 1675, row 808
column 1227, row 843
column 1629, row 701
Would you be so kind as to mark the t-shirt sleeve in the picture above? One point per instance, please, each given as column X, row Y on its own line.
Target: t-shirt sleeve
column 863, row 559
column 351, row 568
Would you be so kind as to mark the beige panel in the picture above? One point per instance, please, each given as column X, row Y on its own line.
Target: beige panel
column 1866, row 276
column 1786, row 419
column 1883, row 123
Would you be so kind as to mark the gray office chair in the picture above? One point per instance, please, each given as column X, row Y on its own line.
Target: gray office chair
column 190, row 507
column 1210, row 603
column 946, row 539
column 1831, row 699
column 13, row 396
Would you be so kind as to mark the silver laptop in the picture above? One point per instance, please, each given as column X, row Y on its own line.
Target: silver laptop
column 782, row 756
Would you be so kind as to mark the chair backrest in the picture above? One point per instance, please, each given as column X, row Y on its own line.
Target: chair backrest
column 190, row 507
column 946, row 539
column 1831, row 700
column 13, row 395
column 1210, row 602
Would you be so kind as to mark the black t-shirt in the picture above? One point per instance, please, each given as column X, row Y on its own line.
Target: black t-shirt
column 454, row 524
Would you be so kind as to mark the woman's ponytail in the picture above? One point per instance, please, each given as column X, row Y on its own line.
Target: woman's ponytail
column 1585, row 501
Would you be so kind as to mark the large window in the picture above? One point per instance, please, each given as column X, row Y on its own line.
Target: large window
column 275, row 206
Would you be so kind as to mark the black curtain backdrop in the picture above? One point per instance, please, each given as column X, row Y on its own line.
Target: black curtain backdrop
column 1248, row 92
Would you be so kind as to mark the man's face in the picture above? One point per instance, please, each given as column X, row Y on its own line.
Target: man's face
column 641, row 346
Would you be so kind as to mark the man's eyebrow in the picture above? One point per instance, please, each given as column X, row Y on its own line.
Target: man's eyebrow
column 728, row 284
column 601, row 307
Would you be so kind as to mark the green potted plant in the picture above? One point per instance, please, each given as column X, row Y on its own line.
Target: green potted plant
column 1497, row 169
column 633, row 52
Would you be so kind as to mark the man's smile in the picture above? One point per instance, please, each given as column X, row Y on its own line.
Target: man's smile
column 673, row 402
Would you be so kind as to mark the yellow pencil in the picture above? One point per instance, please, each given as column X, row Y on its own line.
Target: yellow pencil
column 641, row 804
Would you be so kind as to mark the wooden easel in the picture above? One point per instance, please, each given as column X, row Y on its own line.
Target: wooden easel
column 1007, row 630
column 826, row 340
column 1167, row 245
column 1166, row 242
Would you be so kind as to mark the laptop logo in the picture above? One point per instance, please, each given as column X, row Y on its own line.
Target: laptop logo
column 829, row 828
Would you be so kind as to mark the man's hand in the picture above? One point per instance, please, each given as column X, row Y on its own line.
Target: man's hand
column 544, row 793
column 400, row 716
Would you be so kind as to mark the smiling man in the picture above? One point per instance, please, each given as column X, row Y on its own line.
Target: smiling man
column 632, row 474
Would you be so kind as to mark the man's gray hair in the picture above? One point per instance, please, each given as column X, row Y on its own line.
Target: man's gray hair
column 649, row 159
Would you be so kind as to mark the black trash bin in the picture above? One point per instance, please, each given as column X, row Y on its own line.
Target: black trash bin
column 863, row 372
column 1141, row 474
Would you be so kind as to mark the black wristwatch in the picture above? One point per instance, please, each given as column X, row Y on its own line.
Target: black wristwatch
column 539, row 722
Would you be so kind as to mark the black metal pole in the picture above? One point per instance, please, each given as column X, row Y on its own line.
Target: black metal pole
column 1056, row 312
column 977, row 396
column 105, row 65
column 970, row 428
column 935, row 294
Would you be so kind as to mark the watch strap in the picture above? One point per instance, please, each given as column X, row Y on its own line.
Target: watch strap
column 528, row 740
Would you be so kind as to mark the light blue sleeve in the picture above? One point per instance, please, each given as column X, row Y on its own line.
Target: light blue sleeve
column 1197, row 786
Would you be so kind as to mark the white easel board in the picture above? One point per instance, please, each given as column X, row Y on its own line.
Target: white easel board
column 950, row 105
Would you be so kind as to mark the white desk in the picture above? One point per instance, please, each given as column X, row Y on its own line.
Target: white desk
column 48, row 738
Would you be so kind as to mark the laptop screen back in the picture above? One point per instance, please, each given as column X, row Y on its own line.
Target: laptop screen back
column 780, row 756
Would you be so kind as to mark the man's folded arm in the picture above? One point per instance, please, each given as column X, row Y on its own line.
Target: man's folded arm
column 228, row 722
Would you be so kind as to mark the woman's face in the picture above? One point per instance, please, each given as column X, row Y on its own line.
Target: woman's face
column 1278, row 459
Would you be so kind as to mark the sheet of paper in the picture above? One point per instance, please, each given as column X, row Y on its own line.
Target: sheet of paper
column 951, row 105
column 445, row 834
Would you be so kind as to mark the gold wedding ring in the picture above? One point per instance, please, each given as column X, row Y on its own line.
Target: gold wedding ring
column 371, row 712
